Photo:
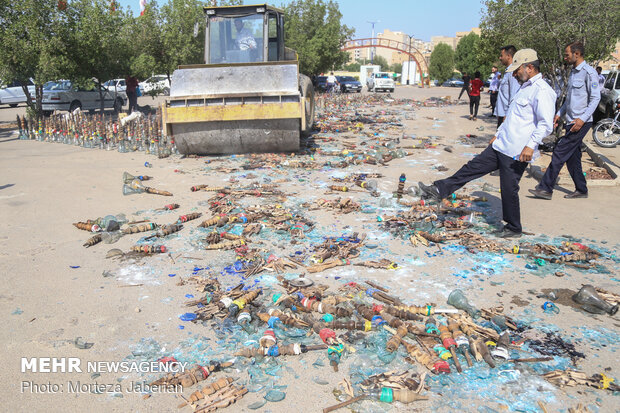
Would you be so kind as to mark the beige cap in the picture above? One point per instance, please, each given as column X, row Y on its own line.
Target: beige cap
column 521, row 57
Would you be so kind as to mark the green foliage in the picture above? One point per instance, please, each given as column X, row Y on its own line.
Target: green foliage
column 313, row 29
column 442, row 62
column 396, row 68
column 148, row 54
column 36, row 43
column 352, row 67
column 99, row 49
column 468, row 57
column 547, row 26
column 381, row 61
column 183, row 25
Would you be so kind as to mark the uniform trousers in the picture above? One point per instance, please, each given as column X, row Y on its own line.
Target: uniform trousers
column 567, row 151
column 510, row 173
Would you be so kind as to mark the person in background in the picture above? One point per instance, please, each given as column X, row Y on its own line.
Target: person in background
column 466, row 80
column 508, row 85
column 245, row 40
column 474, row 96
column 513, row 146
column 332, row 81
column 601, row 78
column 582, row 98
column 494, row 88
column 131, row 84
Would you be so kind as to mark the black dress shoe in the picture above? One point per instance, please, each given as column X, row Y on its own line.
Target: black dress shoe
column 430, row 190
column 507, row 233
column 576, row 194
column 539, row 193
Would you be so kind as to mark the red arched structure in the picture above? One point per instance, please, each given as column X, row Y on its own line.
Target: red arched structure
column 393, row 45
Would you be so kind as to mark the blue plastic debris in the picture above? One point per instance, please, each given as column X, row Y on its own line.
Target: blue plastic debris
column 188, row 317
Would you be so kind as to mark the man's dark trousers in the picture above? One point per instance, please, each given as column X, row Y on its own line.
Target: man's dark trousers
column 510, row 173
column 465, row 89
column 567, row 150
column 493, row 100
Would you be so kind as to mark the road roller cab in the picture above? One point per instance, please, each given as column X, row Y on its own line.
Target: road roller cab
column 248, row 96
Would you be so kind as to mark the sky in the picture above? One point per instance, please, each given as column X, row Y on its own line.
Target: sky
column 418, row 18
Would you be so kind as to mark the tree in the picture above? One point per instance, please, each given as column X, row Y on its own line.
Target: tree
column 35, row 38
column 442, row 62
column 396, row 68
column 352, row 67
column 382, row 62
column 314, row 30
column 145, row 35
column 182, row 25
column 547, row 26
column 100, row 51
column 469, row 59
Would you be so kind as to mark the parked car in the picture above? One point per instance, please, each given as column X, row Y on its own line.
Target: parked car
column 380, row 81
column 320, row 83
column 13, row 94
column 349, row 84
column 609, row 94
column 116, row 85
column 63, row 95
column 453, row 82
column 157, row 84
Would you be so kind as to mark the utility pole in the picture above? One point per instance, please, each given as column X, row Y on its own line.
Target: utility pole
column 372, row 49
column 409, row 64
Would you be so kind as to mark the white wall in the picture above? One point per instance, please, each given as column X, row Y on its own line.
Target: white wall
column 367, row 70
column 410, row 71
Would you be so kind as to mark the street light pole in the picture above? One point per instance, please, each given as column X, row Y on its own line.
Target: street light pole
column 409, row 64
column 373, row 39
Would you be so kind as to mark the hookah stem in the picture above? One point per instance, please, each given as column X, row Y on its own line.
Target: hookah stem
column 446, row 338
column 456, row 333
column 207, row 390
column 157, row 191
column 345, row 403
column 401, row 186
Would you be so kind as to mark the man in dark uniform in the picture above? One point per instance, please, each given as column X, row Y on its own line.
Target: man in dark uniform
column 581, row 101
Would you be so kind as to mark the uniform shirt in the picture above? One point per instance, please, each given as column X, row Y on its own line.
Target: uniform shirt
column 476, row 84
column 601, row 81
column 529, row 118
column 508, row 87
column 245, row 40
column 494, row 85
column 582, row 96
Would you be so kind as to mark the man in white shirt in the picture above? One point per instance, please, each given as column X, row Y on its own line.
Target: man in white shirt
column 245, row 40
column 529, row 119
column 332, row 81
column 493, row 88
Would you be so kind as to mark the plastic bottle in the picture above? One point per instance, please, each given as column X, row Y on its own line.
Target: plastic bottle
column 489, row 188
column 148, row 164
column 389, row 395
column 370, row 185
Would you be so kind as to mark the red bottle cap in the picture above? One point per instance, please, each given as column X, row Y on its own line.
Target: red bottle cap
column 327, row 333
column 441, row 367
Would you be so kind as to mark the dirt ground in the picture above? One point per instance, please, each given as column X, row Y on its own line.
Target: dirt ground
column 56, row 291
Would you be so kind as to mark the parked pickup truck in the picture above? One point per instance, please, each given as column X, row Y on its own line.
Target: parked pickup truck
column 380, row 81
